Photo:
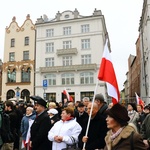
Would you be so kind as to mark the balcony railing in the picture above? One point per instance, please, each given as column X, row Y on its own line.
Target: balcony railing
column 68, row 68
column 67, row 51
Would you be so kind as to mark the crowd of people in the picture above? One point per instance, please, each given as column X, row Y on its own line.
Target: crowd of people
column 83, row 124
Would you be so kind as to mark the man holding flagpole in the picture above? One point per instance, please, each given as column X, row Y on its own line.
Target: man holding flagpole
column 96, row 132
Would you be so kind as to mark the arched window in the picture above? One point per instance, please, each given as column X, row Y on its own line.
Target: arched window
column 25, row 75
column 51, row 78
column 67, row 79
column 86, row 78
column 10, row 94
column 11, row 76
column 25, row 94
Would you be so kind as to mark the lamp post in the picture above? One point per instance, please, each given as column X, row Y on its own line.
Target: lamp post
column 17, row 93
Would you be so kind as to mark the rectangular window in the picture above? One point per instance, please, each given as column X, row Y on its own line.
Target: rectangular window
column 66, row 30
column 85, row 28
column 85, row 43
column 49, row 47
column 26, row 41
column 86, row 59
column 67, row 60
column 12, row 56
column 49, row 32
column 49, row 62
column 26, row 55
column 67, row 44
column 12, row 42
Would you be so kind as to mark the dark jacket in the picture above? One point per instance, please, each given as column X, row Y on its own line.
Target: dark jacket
column 96, row 133
column 145, row 129
column 102, row 110
column 80, row 118
column 39, row 132
column 124, row 140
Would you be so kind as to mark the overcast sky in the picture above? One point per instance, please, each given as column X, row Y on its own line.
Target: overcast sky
column 121, row 16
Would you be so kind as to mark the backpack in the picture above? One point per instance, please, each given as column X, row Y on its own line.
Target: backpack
column 5, row 131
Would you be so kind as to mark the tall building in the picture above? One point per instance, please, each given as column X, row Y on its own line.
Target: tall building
column 69, row 49
column 144, row 31
column 18, row 62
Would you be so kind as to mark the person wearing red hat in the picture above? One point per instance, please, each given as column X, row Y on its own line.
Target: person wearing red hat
column 122, row 135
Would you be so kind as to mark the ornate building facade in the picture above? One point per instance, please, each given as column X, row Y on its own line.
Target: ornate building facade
column 18, row 62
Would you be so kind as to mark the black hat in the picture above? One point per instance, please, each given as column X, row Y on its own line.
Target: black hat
column 39, row 100
column 119, row 113
column 99, row 97
column 147, row 107
column 133, row 106
column 80, row 105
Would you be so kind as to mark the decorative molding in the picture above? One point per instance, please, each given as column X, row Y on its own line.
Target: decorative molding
column 18, row 65
column 68, row 68
column 66, row 51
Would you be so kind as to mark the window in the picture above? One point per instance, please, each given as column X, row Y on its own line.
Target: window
column 26, row 55
column 51, row 78
column 49, row 47
column 12, row 43
column 67, row 44
column 12, row 56
column 11, row 76
column 25, row 75
column 67, row 79
column 86, row 59
column 49, row 32
column 85, row 43
column 85, row 28
column 66, row 30
column 26, row 41
column 67, row 60
column 66, row 16
column 86, row 78
column 49, row 62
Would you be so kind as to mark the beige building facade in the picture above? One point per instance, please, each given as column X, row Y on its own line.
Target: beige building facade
column 18, row 62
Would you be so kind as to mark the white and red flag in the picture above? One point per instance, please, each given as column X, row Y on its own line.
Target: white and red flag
column 139, row 100
column 69, row 97
column 107, row 74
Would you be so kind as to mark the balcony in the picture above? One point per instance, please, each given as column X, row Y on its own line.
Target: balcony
column 68, row 68
column 70, row 51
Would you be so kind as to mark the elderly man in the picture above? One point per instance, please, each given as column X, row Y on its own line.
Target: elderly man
column 40, row 126
column 96, row 132
column 99, row 99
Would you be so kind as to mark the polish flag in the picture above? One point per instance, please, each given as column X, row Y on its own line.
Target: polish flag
column 107, row 74
column 69, row 97
column 139, row 100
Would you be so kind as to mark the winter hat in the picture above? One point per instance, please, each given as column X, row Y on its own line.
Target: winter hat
column 119, row 113
column 147, row 107
column 99, row 97
column 80, row 105
column 39, row 100
column 52, row 111
column 133, row 106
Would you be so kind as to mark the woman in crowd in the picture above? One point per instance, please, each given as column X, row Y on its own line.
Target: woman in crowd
column 25, row 123
column 133, row 114
column 121, row 136
column 53, row 114
column 65, row 131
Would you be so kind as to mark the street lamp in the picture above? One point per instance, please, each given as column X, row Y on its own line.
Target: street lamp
column 17, row 93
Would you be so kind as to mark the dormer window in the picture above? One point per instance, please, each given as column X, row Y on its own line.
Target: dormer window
column 66, row 16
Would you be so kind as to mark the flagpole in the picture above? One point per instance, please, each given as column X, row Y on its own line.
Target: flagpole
column 88, row 124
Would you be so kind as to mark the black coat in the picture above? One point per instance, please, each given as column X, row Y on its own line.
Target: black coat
column 96, row 133
column 39, row 132
column 80, row 118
